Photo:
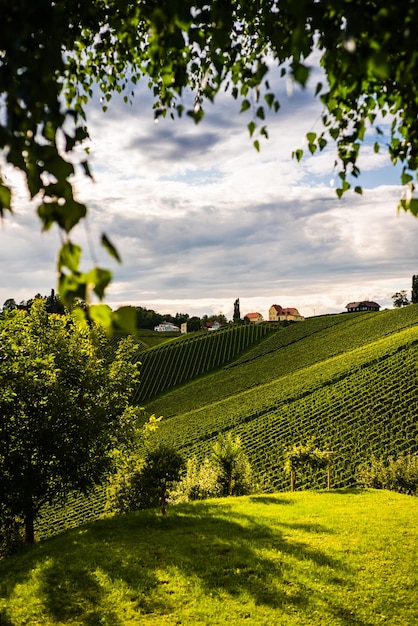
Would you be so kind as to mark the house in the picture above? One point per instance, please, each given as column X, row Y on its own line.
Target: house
column 364, row 305
column 279, row 314
column 167, row 327
column 212, row 325
column 255, row 318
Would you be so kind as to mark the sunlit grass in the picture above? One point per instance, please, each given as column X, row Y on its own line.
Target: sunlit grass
column 320, row 558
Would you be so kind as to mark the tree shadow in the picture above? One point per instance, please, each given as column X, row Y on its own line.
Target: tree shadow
column 270, row 500
column 232, row 555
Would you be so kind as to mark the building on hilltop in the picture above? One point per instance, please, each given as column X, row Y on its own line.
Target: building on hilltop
column 254, row 318
column 167, row 327
column 364, row 305
column 279, row 314
column 215, row 325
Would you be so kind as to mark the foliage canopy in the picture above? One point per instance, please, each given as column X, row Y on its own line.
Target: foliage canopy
column 55, row 54
column 64, row 409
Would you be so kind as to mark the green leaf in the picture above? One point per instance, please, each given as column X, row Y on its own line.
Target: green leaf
column 107, row 244
column 256, row 145
column 269, row 98
column 358, row 190
column 245, row 105
column 69, row 256
column 297, row 154
column 412, row 205
column 5, row 199
column 406, row 178
column 98, row 279
column 251, row 127
column 102, row 315
column 124, row 319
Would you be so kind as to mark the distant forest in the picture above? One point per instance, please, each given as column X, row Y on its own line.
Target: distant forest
column 145, row 318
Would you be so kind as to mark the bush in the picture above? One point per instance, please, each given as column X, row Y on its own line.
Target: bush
column 199, row 482
column 147, row 483
column 399, row 474
column 232, row 466
column 226, row 472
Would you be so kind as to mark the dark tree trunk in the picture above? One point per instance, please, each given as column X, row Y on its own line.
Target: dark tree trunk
column 29, row 528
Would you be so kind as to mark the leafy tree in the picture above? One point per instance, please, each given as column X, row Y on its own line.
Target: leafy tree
column 146, row 484
column 397, row 474
column 64, row 408
column 237, row 313
column 9, row 305
column 200, row 481
column 194, row 324
column 414, row 293
column 302, row 456
column 232, row 465
column 55, row 54
column 400, row 299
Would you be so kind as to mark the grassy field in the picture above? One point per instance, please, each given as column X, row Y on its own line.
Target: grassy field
column 309, row 558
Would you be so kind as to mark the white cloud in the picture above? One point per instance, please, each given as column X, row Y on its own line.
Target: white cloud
column 200, row 218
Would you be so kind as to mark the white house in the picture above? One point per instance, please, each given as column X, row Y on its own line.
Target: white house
column 167, row 327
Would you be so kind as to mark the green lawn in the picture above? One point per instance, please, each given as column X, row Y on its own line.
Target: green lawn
column 320, row 558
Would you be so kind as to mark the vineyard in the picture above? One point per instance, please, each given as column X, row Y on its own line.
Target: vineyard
column 348, row 380
column 357, row 404
column 171, row 364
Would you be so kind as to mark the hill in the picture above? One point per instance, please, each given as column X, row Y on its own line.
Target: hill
column 318, row 558
column 348, row 380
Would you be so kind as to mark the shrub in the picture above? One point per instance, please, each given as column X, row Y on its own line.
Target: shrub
column 399, row 474
column 147, row 483
column 232, row 466
column 199, row 482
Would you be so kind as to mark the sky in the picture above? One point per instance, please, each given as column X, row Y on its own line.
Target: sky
column 200, row 218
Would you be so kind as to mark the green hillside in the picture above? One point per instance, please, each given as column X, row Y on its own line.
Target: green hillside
column 184, row 358
column 297, row 346
column 318, row 558
column 348, row 380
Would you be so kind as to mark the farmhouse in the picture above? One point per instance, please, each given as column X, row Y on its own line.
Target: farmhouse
column 212, row 325
column 255, row 318
column 365, row 305
column 167, row 327
column 279, row 314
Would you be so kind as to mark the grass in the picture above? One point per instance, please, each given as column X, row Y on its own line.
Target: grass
column 305, row 558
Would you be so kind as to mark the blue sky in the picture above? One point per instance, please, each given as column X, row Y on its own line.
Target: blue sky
column 201, row 218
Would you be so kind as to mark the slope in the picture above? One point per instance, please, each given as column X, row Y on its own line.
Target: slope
column 295, row 347
column 353, row 392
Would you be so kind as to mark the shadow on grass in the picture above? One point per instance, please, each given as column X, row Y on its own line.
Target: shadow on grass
column 270, row 500
column 144, row 559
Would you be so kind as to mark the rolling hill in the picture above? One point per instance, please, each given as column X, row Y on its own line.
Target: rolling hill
column 349, row 380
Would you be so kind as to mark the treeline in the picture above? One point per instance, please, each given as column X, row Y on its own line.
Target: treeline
column 146, row 319
column 53, row 303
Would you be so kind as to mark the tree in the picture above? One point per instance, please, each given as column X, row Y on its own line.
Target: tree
column 400, row 299
column 194, row 324
column 237, row 313
column 414, row 293
column 9, row 305
column 301, row 456
column 147, row 483
column 64, row 408
column 55, row 54
column 232, row 465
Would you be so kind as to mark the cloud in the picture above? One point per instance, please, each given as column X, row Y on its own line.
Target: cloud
column 201, row 218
